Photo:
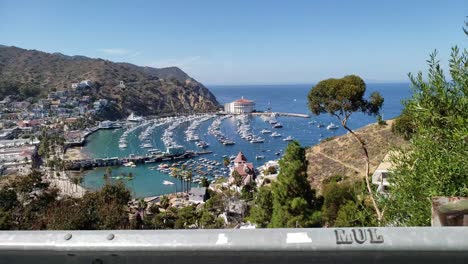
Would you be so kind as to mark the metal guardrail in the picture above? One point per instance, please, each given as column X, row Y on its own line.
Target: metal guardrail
column 325, row 245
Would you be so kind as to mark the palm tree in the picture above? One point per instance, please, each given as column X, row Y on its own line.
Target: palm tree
column 189, row 180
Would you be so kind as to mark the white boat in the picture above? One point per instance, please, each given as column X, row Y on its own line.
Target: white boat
column 320, row 125
column 259, row 157
column 122, row 145
column 277, row 125
column 147, row 145
column 265, row 131
column 275, row 134
column 332, row 126
column 134, row 118
column 129, row 164
column 168, row 183
column 257, row 140
column 288, row 138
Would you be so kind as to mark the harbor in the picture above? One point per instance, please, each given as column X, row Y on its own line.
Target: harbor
column 216, row 133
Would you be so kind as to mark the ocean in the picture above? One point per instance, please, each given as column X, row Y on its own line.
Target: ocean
column 280, row 98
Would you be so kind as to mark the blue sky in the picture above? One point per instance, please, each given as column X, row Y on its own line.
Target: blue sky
column 245, row 42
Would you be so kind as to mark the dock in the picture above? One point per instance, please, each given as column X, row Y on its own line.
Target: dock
column 280, row 114
column 116, row 161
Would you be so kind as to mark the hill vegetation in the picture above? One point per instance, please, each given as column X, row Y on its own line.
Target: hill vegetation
column 147, row 91
column 342, row 155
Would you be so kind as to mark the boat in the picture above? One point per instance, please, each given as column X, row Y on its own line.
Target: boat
column 275, row 134
column 265, row 131
column 259, row 157
column 320, row 125
column 129, row 164
column 168, row 183
column 277, row 125
column 228, row 142
column 134, row 118
column 288, row 138
column 202, row 144
column 277, row 153
column 146, row 145
column 312, row 122
column 257, row 140
column 122, row 145
column 332, row 126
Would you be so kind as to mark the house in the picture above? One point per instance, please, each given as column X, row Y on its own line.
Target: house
column 245, row 169
column 197, row 195
column 10, row 133
column 380, row 176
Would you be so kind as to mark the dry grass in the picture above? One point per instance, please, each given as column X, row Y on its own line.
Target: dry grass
column 343, row 155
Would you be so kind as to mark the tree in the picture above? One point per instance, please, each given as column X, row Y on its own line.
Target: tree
column 8, row 199
column 226, row 161
column 76, row 180
column 340, row 98
column 164, row 202
column 237, row 178
column 205, row 182
column 294, row 203
column 344, row 205
column 262, row 208
column 189, row 180
column 436, row 163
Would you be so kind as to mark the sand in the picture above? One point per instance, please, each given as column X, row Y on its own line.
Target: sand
column 75, row 153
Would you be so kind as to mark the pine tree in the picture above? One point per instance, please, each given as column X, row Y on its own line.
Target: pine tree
column 262, row 208
column 294, row 202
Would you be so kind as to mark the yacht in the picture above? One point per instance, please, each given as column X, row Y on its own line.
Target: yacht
column 288, row 138
column 168, row 183
column 259, row 157
column 129, row 164
column 134, row 118
column 202, row 144
column 276, row 134
column 257, row 140
column 277, row 125
column 265, row 131
column 332, row 126
column 122, row 145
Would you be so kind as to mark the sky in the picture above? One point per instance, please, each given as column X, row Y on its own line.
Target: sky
column 245, row 42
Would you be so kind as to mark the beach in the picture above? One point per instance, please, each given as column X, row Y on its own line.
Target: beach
column 75, row 153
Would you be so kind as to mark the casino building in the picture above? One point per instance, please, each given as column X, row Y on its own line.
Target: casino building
column 240, row 106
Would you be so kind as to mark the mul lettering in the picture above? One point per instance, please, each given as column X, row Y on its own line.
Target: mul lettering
column 360, row 236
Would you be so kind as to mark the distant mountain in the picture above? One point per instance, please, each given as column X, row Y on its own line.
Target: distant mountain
column 146, row 90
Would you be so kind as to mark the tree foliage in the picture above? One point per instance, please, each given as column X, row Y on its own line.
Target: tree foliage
column 436, row 164
column 345, row 205
column 294, row 202
column 341, row 98
column 262, row 208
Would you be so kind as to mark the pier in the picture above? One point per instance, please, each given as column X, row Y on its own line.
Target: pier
column 280, row 114
column 116, row 161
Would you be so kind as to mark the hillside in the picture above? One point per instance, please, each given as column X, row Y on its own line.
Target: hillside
column 343, row 155
column 147, row 90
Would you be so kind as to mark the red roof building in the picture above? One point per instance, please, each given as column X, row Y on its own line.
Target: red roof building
column 246, row 170
column 240, row 106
